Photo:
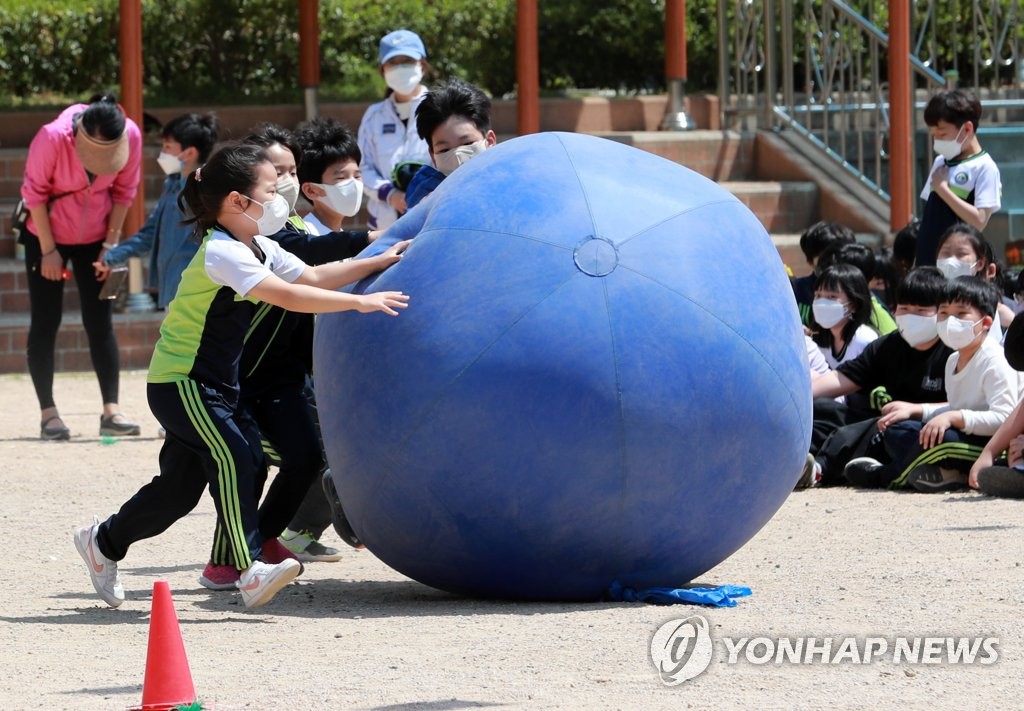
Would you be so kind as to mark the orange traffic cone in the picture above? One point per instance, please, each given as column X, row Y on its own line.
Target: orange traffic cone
column 168, row 681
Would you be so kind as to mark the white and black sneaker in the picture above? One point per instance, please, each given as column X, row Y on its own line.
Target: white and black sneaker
column 810, row 475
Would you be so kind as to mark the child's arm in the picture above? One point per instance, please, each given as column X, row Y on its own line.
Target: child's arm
column 1013, row 426
column 832, row 384
column 303, row 298
column 338, row 274
column 975, row 216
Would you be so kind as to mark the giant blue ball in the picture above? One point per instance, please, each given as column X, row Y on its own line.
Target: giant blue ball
column 601, row 377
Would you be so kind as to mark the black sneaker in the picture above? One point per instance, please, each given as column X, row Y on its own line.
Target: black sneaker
column 931, row 478
column 1006, row 482
column 864, row 472
column 338, row 518
column 110, row 427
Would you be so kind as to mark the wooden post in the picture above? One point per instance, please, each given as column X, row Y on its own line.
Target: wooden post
column 309, row 54
column 527, row 67
column 901, row 187
column 130, row 47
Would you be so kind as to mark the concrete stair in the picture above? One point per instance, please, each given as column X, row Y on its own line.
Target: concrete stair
column 785, row 207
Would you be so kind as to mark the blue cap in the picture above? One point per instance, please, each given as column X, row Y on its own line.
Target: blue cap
column 401, row 43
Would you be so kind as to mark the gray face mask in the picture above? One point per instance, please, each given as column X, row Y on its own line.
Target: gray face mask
column 450, row 160
column 288, row 188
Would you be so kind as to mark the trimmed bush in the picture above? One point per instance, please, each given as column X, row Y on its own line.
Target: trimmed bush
column 244, row 51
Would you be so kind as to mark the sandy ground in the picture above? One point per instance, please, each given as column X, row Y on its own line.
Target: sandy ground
column 832, row 563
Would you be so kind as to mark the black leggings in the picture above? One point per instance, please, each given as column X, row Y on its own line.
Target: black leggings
column 47, row 307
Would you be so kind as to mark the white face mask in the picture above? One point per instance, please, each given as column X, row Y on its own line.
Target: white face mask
column 288, row 188
column 951, row 267
column 957, row 333
column 170, row 164
column 345, row 198
column 949, row 149
column 451, row 159
column 404, row 78
column 917, row 329
column 828, row 312
column 275, row 215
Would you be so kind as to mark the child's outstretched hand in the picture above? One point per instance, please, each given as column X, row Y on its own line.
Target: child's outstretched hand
column 393, row 253
column 386, row 301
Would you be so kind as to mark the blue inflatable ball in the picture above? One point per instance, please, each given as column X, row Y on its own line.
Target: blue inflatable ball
column 601, row 377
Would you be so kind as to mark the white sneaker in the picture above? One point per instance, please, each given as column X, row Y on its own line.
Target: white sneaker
column 261, row 581
column 102, row 570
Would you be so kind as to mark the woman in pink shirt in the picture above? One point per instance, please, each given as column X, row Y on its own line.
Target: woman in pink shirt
column 81, row 175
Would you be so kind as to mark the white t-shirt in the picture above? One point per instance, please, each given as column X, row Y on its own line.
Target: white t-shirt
column 231, row 263
column 985, row 391
column 978, row 174
column 861, row 338
column 815, row 358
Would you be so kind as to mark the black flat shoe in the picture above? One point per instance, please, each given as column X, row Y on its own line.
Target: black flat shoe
column 110, row 428
column 57, row 432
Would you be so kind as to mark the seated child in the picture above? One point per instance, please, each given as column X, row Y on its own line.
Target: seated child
column 860, row 256
column 964, row 251
column 986, row 475
column 909, row 364
column 841, row 308
column 930, row 446
column 999, row 480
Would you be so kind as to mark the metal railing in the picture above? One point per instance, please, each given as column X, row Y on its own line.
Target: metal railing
column 819, row 68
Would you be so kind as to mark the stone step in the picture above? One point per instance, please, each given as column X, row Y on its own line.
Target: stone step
column 782, row 207
column 137, row 333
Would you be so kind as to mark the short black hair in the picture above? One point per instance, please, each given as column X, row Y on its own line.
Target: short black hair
column 889, row 272
column 923, row 286
column 267, row 134
column 452, row 98
column 853, row 253
column 904, row 244
column 954, row 106
column 1013, row 344
column 193, row 131
column 822, row 235
column 972, row 290
column 325, row 141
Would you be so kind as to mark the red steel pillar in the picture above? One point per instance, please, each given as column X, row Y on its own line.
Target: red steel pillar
column 527, row 68
column 901, row 188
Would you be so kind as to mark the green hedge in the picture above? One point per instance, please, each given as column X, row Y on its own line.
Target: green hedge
column 246, row 51
column 243, row 51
